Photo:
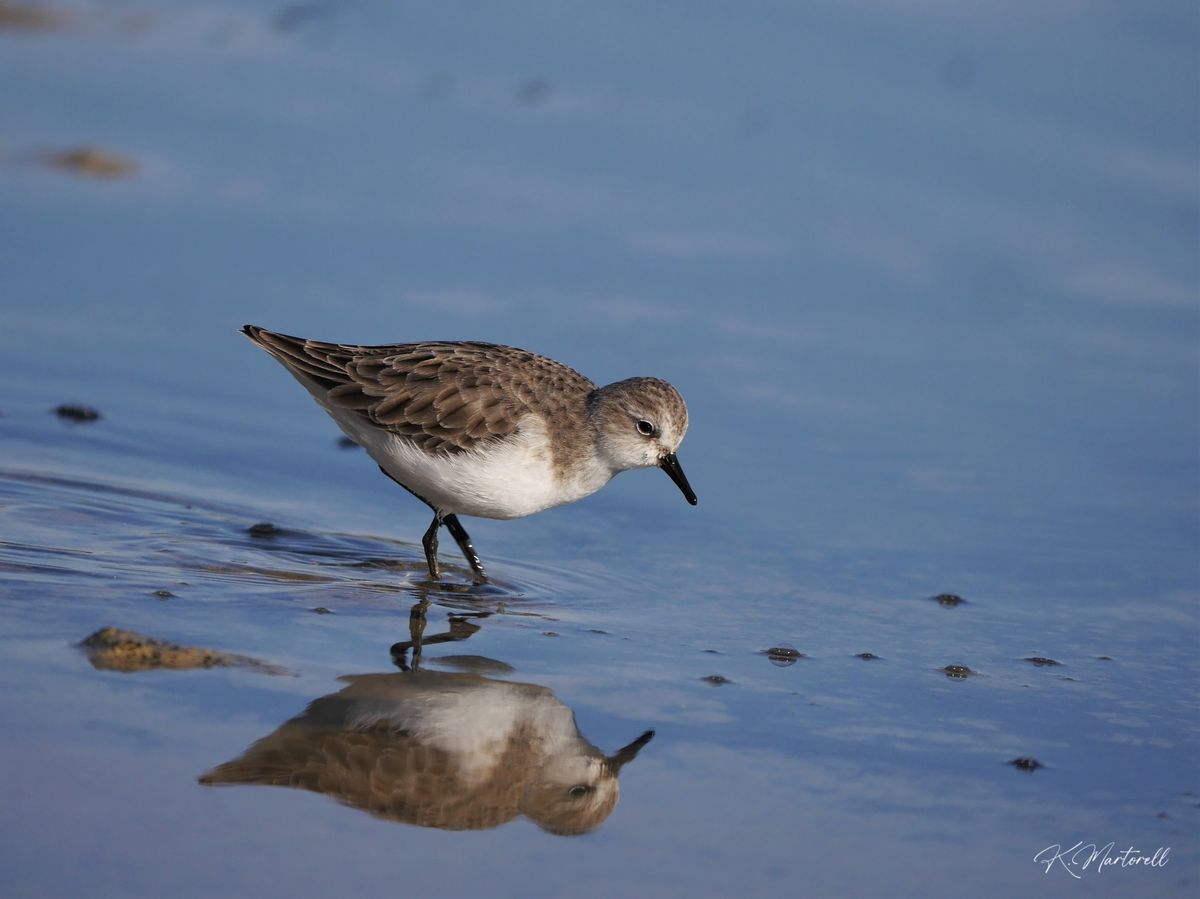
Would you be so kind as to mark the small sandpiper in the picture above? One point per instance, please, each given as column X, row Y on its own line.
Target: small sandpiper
column 486, row 430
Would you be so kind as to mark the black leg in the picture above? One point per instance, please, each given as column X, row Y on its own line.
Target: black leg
column 430, row 541
column 416, row 628
column 459, row 533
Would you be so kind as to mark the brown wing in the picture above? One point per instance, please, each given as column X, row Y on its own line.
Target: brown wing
column 445, row 396
column 386, row 772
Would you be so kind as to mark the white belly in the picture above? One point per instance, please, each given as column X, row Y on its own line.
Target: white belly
column 506, row 480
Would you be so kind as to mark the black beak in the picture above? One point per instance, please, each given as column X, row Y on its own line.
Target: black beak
column 627, row 754
column 670, row 465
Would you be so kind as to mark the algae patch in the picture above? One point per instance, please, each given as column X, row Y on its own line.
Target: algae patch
column 114, row 649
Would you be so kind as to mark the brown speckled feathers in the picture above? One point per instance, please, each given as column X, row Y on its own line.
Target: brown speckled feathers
column 386, row 772
column 447, row 397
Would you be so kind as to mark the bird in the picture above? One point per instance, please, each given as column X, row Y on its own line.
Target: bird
column 485, row 430
column 441, row 749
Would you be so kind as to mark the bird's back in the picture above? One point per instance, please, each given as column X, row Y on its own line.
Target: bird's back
column 447, row 397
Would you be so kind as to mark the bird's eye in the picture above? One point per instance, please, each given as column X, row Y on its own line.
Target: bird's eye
column 645, row 428
column 579, row 790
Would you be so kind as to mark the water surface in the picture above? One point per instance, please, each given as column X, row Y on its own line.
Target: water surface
column 928, row 280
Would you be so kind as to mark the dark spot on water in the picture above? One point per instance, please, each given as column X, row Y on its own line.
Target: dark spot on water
column 782, row 655
column 163, row 594
column 1064, row 677
column 957, row 671
column 534, row 91
column 262, row 529
column 868, row 656
column 715, row 652
column 472, row 664
column 297, row 15
column 1104, row 658
column 1042, row 661
column 71, row 412
column 1163, row 815
column 1026, row 763
column 345, row 442
column 321, row 610
column 948, row 599
column 550, row 633
column 596, row 630
column 716, row 679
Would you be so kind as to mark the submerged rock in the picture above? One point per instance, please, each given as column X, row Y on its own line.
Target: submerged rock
column 91, row 162
column 958, row 672
column 948, row 599
column 783, row 655
column 114, row 649
column 1026, row 763
column 72, row 412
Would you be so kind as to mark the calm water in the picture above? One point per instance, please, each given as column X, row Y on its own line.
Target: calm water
column 928, row 279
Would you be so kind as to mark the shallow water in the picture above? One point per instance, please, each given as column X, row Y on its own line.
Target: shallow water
column 929, row 286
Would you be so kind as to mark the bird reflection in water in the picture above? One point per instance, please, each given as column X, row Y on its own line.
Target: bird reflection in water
column 439, row 749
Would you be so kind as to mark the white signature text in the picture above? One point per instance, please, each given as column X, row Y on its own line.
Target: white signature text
column 1083, row 857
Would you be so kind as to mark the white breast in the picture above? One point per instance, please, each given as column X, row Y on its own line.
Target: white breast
column 510, row 479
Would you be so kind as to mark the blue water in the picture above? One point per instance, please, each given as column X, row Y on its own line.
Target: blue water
column 928, row 278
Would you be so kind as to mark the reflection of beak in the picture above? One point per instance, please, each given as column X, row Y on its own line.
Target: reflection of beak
column 627, row 754
column 670, row 465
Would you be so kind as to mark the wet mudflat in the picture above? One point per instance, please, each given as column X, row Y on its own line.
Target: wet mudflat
column 935, row 613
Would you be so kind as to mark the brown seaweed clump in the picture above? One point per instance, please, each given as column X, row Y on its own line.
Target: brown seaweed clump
column 28, row 17
column 114, row 649
column 92, row 162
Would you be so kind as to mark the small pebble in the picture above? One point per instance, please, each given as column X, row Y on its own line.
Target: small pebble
column 163, row 594
column 321, row 610
column 957, row 671
column 1042, row 661
column 783, row 655
column 716, row 679
column 868, row 656
column 948, row 599
column 77, row 413
column 549, row 633
column 1026, row 763
column 263, row 529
